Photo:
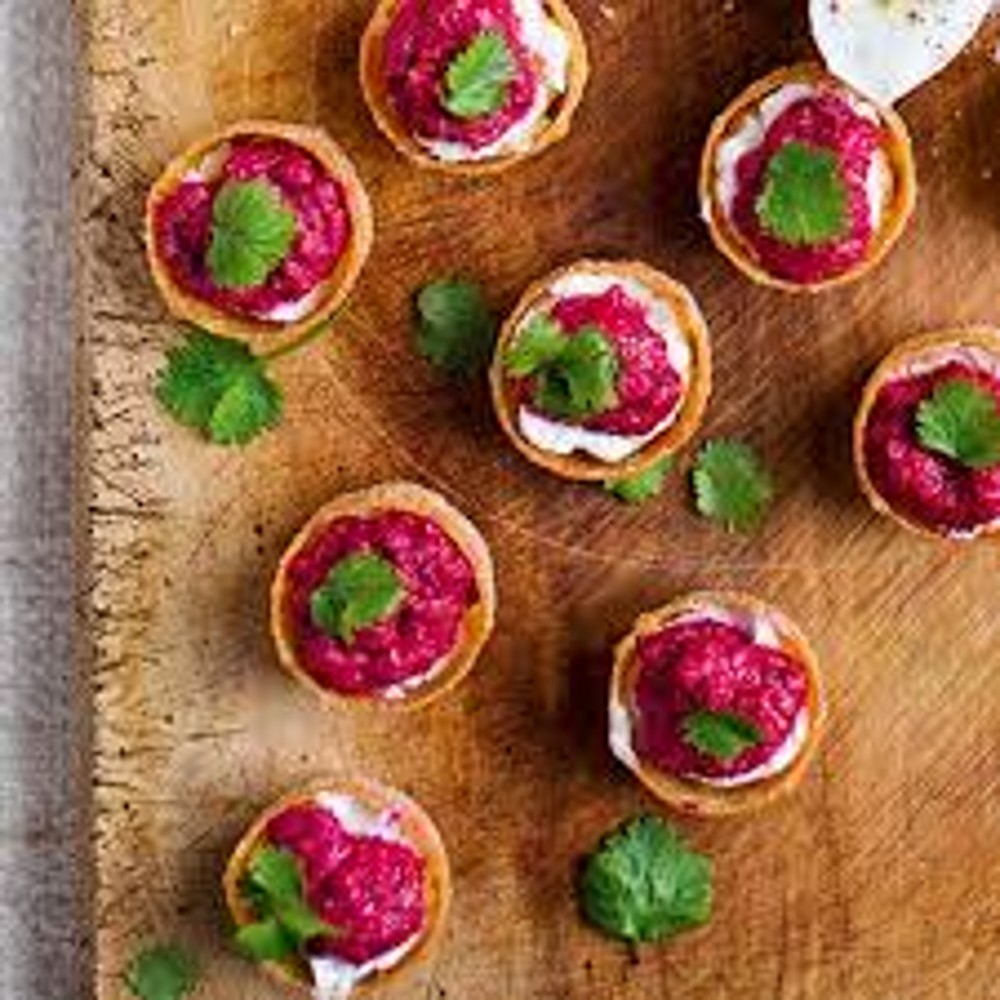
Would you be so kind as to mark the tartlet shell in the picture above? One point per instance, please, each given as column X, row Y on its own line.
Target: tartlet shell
column 478, row 621
column 374, row 86
column 695, row 798
column 984, row 338
column 338, row 286
column 897, row 214
column 586, row 468
column 419, row 831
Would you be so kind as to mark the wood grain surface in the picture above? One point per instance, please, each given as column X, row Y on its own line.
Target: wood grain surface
column 877, row 880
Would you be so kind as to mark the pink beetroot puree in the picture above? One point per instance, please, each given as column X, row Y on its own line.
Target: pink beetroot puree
column 648, row 387
column 369, row 888
column 440, row 587
column 828, row 121
column 705, row 665
column 183, row 224
column 926, row 486
column 424, row 38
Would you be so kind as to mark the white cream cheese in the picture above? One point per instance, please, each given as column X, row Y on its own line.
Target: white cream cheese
column 560, row 438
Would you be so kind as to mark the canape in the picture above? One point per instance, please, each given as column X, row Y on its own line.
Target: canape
column 260, row 228
column 338, row 887
column 603, row 368
column 386, row 596
column 927, row 435
column 470, row 86
column 806, row 184
column 716, row 703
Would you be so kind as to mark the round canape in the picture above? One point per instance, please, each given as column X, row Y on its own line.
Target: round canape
column 260, row 228
column 927, row 435
column 716, row 703
column 370, row 866
column 805, row 183
column 386, row 596
column 603, row 369
column 472, row 86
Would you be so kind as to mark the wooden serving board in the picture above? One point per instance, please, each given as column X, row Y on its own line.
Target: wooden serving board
column 877, row 881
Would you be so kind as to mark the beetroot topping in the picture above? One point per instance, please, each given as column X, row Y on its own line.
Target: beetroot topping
column 438, row 585
column 927, row 486
column 183, row 223
column 370, row 888
column 700, row 666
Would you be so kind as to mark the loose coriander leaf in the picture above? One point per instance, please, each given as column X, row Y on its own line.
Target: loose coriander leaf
column 581, row 381
column 360, row 590
column 162, row 972
column 644, row 884
column 804, row 200
column 252, row 232
column 722, row 735
column 250, row 405
column 643, row 486
column 731, row 485
column 456, row 327
column 265, row 941
column 539, row 344
column 961, row 420
column 478, row 78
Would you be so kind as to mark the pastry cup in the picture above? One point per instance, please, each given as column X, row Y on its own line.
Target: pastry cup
column 898, row 210
column 983, row 338
column 335, row 289
column 477, row 624
column 694, row 797
column 586, row 468
column 374, row 85
column 419, row 831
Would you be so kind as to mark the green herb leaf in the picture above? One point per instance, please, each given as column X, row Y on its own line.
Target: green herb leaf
column 804, row 200
column 644, row 884
column 643, row 486
column 162, row 972
column 538, row 345
column 722, row 735
column 456, row 327
column 360, row 590
column 478, row 78
column 731, row 485
column 265, row 941
column 252, row 232
column 961, row 420
column 218, row 387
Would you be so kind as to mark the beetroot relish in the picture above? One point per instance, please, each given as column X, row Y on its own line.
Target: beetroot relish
column 648, row 387
column 826, row 121
column 713, row 666
column 440, row 587
column 183, row 224
column 424, row 38
column 928, row 487
column 370, row 888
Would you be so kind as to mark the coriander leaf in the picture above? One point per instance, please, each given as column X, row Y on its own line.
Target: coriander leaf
column 722, row 735
column 162, row 972
column 644, row 884
column 478, row 78
column 456, row 327
column 252, row 232
column 538, row 345
column 217, row 386
column 731, row 485
column 643, row 486
column 265, row 941
column 360, row 590
column 804, row 200
column 581, row 381
column 961, row 420
column 273, row 874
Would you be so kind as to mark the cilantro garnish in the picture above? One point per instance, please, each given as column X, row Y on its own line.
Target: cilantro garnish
column 478, row 78
column 644, row 884
column 961, row 420
column 252, row 231
column 456, row 328
column 731, row 485
column 360, row 590
column 642, row 486
column 804, row 200
column 722, row 735
column 162, row 972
